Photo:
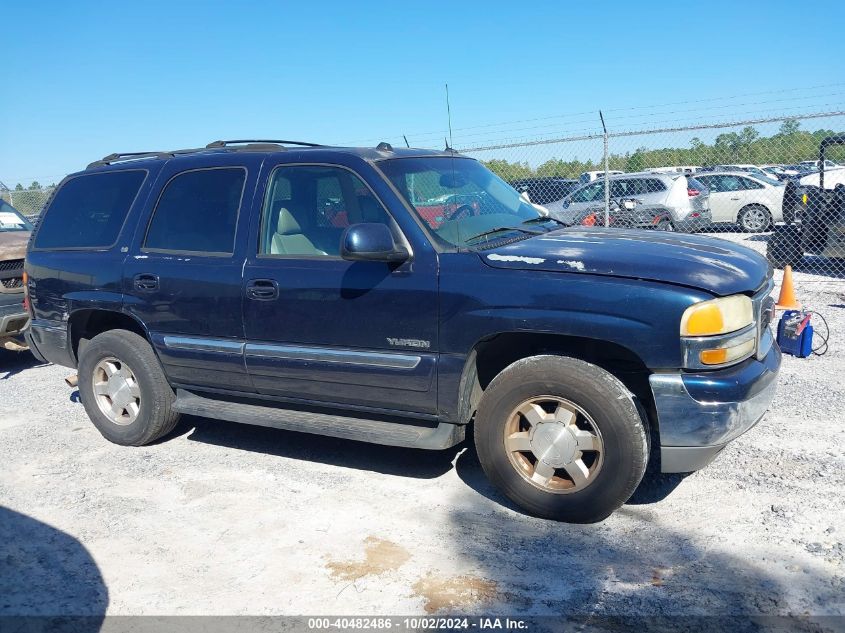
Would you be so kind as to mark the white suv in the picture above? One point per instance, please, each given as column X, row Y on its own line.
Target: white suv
column 683, row 197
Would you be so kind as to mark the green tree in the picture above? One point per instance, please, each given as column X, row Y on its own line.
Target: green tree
column 19, row 187
column 34, row 186
column 789, row 126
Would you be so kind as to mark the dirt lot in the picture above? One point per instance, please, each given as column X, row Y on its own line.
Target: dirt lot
column 227, row 519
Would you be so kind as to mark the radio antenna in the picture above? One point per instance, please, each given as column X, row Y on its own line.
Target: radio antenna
column 449, row 116
column 407, row 144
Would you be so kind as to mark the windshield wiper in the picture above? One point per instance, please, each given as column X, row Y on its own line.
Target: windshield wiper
column 500, row 229
column 544, row 218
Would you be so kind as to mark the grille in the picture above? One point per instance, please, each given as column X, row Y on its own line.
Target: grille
column 11, row 264
column 14, row 282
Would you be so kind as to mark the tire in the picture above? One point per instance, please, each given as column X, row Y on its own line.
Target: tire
column 561, row 387
column 122, row 362
column 755, row 218
column 665, row 225
column 784, row 247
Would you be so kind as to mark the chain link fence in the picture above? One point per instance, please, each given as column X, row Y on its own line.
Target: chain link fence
column 30, row 201
column 754, row 181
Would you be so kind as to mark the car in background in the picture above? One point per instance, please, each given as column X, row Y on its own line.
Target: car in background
column 778, row 172
column 544, row 191
column 683, row 197
column 814, row 164
column 754, row 204
column 680, row 169
column 14, row 237
column 748, row 169
column 590, row 176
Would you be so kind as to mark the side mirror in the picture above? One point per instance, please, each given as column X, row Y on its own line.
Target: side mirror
column 524, row 195
column 371, row 242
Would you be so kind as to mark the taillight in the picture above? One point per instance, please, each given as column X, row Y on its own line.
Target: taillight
column 590, row 220
column 692, row 193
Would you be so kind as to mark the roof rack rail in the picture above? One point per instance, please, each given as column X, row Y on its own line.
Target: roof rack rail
column 124, row 156
column 220, row 144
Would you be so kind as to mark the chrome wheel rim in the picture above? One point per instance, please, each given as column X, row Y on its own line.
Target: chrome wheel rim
column 754, row 219
column 117, row 391
column 554, row 444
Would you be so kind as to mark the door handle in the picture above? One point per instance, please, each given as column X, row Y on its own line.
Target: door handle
column 262, row 290
column 734, row 198
column 146, row 282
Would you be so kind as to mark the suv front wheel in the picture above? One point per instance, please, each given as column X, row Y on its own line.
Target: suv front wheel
column 562, row 438
column 124, row 390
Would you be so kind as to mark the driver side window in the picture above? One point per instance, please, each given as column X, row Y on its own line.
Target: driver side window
column 307, row 207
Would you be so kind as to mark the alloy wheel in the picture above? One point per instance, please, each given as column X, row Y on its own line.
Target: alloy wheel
column 554, row 444
column 117, row 391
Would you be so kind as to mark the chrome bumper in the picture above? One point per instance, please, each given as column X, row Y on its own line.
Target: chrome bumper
column 698, row 414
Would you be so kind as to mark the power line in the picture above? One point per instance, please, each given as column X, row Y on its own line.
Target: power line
column 706, row 126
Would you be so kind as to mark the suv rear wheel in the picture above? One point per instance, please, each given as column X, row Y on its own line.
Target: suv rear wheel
column 562, row 438
column 124, row 390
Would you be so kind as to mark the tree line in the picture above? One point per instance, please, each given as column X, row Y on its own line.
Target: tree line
column 789, row 146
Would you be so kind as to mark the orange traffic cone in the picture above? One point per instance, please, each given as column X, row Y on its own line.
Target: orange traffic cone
column 787, row 300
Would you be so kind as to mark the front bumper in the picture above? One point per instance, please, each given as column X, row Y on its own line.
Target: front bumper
column 699, row 413
column 13, row 320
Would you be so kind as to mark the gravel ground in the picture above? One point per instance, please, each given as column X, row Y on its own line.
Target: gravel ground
column 220, row 518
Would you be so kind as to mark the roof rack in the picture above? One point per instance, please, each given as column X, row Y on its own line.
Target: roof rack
column 221, row 144
column 124, row 156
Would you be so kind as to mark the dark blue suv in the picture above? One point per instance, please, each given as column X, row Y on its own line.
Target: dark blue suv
column 397, row 296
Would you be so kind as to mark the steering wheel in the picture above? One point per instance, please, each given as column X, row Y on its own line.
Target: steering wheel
column 461, row 212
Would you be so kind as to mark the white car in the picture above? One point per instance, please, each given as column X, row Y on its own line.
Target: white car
column 738, row 197
column 832, row 177
column 590, row 176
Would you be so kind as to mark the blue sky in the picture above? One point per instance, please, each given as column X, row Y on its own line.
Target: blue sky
column 84, row 79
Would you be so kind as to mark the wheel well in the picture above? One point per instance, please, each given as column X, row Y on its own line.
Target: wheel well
column 753, row 205
column 491, row 356
column 86, row 324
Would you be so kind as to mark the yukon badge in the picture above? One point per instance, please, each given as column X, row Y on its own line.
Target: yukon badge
column 408, row 342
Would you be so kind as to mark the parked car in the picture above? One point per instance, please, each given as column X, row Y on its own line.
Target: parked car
column 207, row 282
column 683, row 197
column 590, row 176
column 544, row 191
column 754, row 204
column 814, row 164
column 628, row 213
column 752, row 170
column 14, row 235
column 681, row 169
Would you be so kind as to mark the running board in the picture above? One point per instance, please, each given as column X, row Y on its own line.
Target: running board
column 439, row 437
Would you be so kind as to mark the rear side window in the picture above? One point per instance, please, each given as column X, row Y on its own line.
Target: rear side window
column 198, row 212
column 88, row 211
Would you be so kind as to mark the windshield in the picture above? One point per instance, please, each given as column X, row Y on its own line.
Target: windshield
column 459, row 199
column 11, row 220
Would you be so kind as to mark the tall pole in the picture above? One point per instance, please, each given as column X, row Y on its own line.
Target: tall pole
column 606, row 181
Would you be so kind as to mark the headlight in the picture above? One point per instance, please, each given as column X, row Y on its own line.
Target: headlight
column 718, row 332
column 717, row 316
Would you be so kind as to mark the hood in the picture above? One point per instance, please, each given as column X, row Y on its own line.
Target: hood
column 13, row 244
column 707, row 263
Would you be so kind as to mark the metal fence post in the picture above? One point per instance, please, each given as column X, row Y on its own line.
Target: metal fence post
column 606, row 175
